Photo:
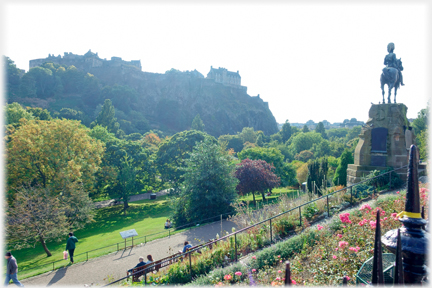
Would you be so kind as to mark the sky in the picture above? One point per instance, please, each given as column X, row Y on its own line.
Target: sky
column 315, row 61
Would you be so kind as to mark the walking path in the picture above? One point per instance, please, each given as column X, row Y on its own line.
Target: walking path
column 133, row 198
column 115, row 265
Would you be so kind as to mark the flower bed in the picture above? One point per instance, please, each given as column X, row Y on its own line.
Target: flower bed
column 322, row 255
column 317, row 246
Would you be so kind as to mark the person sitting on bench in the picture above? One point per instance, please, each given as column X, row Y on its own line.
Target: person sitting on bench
column 150, row 259
column 141, row 263
column 186, row 247
column 167, row 224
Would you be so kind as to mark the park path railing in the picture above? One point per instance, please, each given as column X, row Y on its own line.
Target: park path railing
column 84, row 256
column 174, row 258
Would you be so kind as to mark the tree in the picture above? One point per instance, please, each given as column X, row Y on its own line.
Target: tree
column 233, row 142
column 302, row 173
column 15, row 112
column 173, row 152
column 39, row 113
column 317, row 171
column 52, row 154
column 421, row 122
column 423, row 144
column 322, row 149
column 13, row 79
column 304, row 156
column 197, row 124
column 114, row 177
column 285, row 131
column 101, row 133
column 320, row 129
column 259, row 142
column 127, row 181
column 106, row 118
column 272, row 156
column 248, row 135
column 340, row 177
column 353, row 133
column 255, row 176
column 305, row 129
column 209, row 184
column 38, row 214
column 304, row 141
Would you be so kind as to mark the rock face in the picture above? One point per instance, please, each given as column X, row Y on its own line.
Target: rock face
column 170, row 101
column 383, row 142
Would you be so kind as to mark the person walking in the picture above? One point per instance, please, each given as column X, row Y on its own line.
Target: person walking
column 12, row 270
column 70, row 246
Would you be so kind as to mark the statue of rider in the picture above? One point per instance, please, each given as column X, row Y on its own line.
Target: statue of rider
column 391, row 61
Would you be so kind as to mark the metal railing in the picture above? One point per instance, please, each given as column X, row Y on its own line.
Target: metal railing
column 123, row 245
column 210, row 243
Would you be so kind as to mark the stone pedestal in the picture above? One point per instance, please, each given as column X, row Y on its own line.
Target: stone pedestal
column 382, row 142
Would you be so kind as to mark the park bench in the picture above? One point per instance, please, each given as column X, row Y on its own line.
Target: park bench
column 140, row 271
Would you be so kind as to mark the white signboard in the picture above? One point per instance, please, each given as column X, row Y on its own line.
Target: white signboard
column 128, row 234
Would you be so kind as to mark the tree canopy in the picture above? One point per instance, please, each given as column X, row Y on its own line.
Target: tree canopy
column 209, row 184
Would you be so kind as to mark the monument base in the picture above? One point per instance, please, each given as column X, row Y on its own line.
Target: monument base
column 383, row 142
column 356, row 173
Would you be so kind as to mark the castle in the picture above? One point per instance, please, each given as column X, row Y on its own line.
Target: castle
column 88, row 60
column 227, row 78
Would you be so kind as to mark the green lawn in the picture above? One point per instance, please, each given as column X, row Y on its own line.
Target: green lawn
column 269, row 199
column 145, row 216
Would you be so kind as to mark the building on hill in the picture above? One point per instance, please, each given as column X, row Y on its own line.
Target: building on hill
column 225, row 77
column 88, row 60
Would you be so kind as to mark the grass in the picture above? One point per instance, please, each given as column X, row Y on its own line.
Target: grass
column 270, row 199
column 145, row 216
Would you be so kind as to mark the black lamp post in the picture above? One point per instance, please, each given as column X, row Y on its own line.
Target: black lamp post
column 414, row 239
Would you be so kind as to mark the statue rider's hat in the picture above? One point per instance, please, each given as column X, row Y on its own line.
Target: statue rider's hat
column 390, row 47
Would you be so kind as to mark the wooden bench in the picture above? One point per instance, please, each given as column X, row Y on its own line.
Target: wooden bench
column 140, row 271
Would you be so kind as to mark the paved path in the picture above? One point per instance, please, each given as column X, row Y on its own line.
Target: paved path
column 133, row 198
column 116, row 264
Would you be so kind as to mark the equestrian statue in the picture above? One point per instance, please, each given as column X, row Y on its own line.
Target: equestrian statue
column 391, row 74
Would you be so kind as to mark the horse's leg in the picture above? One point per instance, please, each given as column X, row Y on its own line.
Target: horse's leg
column 395, row 92
column 382, row 89
column 389, row 93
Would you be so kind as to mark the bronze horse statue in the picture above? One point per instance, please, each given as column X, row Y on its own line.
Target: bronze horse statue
column 390, row 76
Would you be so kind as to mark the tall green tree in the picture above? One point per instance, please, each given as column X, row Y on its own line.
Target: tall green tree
column 106, row 118
column 198, row 124
column 285, row 131
column 320, row 129
column 305, row 129
column 15, row 112
column 340, row 177
column 173, row 152
column 39, row 113
column 421, row 122
column 248, row 135
column 13, row 79
column 209, row 186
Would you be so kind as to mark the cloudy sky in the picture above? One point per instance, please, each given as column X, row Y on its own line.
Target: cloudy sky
column 319, row 60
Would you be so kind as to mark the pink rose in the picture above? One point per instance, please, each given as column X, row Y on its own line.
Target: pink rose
column 254, row 257
column 254, row 270
column 334, row 257
column 238, row 273
column 279, row 271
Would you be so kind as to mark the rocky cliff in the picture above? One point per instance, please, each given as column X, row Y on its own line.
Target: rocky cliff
column 170, row 101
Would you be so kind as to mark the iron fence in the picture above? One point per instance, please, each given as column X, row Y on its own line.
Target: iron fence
column 188, row 254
